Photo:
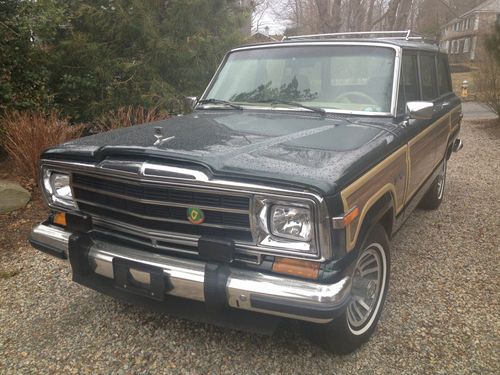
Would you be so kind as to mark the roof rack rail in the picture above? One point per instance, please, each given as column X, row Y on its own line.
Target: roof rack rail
column 396, row 35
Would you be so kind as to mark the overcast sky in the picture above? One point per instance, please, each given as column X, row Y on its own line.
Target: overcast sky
column 276, row 26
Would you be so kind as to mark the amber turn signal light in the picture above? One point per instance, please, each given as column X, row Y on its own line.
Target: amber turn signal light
column 350, row 216
column 60, row 219
column 296, row 267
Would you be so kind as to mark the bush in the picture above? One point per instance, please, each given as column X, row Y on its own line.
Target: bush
column 127, row 116
column 27, row 134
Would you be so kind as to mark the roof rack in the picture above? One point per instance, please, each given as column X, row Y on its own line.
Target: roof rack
column 395, row 35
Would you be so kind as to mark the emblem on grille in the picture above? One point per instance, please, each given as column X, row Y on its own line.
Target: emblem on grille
column 160, row 138
column 195, row 215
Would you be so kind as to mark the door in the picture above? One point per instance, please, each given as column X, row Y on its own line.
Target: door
column 420, row 83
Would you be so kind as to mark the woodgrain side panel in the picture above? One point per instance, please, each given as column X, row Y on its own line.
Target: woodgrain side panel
column 401, row 174
column 441, row 140
column 387, row 176
column 455, row 118
column 425, row 151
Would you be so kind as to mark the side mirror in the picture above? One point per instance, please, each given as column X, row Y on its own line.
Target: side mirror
column 420, row 110
column 190, row 103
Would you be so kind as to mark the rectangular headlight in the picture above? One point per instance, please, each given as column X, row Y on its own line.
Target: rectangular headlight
column 291, row 222
column 57, row 188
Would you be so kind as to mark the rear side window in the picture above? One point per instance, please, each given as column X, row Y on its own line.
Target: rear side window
column 428, row 77
column 443, row 76
column 408, row 85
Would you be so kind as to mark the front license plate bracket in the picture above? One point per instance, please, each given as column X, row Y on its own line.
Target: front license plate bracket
column 141, row 279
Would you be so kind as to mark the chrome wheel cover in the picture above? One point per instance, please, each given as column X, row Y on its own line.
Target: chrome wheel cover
column 368, row 285
column 441, row 180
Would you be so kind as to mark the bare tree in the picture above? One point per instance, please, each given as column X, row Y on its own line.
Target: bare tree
column 329, row 16
column 369, row 16
column 403, row 15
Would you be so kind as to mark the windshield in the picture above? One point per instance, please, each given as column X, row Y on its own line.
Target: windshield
column 350, row 78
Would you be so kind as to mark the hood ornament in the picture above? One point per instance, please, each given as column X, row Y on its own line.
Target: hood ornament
column 160, row 138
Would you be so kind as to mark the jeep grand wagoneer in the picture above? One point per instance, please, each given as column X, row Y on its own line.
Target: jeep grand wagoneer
column 275, row 198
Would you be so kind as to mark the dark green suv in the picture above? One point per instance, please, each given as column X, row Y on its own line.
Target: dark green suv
column 275, row 198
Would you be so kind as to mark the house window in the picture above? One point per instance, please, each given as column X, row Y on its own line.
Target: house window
column 476, row 22
column 455, row 46
column 466, row 45
column 447, row 46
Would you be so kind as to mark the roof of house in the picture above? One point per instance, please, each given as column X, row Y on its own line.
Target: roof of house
column 486, row 7
column 263, row 35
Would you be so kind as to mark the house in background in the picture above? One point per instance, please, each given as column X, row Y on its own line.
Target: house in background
column 262, row 37
column 463, row 37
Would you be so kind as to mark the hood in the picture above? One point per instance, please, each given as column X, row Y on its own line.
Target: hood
column 303, row 149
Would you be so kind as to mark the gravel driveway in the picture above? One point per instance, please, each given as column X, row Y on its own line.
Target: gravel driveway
column 441, row 315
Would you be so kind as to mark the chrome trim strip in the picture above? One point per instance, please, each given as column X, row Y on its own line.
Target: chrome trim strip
column 240, row 256
column 144, row 241
column 184, row 239
column 192, row 240
column 227, row 187
column 338, row 222
column 197, row 175
column 161, row 203
column 155, row 218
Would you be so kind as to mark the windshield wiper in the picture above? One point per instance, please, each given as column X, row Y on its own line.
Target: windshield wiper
column 219, row 101
column 294, row 104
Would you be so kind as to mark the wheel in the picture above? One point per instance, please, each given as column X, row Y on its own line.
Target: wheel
column 434, row 196
column 370, row 282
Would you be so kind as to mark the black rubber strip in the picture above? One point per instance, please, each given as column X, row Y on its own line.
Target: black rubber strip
column 214, row 287
column 297, row 308
column 78, row 250
column 48, row 250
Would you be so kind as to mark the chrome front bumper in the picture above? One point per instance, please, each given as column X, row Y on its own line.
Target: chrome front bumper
column 244, row 289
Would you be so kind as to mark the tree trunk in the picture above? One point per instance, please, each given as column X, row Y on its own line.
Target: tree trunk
column 403, row 14
column 369, row 16
column 330, row 19
column 390, row 17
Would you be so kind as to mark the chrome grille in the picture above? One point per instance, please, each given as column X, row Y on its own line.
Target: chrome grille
column 163, row 209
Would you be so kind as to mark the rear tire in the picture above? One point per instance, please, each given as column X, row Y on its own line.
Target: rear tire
column 434, row 196
column 369, row 289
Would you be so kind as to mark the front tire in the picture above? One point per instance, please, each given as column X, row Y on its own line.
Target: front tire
column 370, row 281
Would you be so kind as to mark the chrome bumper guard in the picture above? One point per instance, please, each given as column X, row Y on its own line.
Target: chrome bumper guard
column 247, row 290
